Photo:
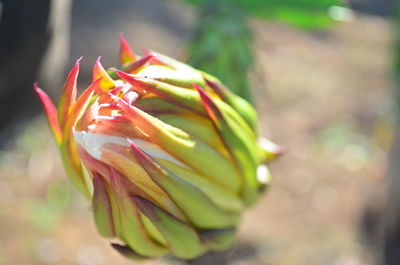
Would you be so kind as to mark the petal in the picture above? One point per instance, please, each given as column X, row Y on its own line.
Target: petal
column 190, row 151
column 79, row 108
column 133, row 231
column 182, row 97
column 51, row 113
column 126, row 55
column 68, row 96
column 182, row 239
column 200, row 210
column 98, row 72
column 102, row 207
column 244, row 108
column 243, row 150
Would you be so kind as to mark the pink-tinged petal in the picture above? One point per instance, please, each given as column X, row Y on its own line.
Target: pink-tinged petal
column 102, row 210
column 132, row 227
column 135, row 180
column 136, row 65
column 79, row 108
column 157, row 105
column 117, row 127
column 149, row 125
column 69, row 94
column 73, row 166
column 186, row 196
column 161, row 59
column 182, row 238
column 126, row 55
column 131, row 79
column 183, row 97
column 220, row 90
column 130, row 97
column 156, row 60
column 269, row 150
column 237, row 143
column 99, row 72
column 115, row 91
column 190, row 151
column 93, row 164
column 213, row 112
column 51, row 112
column 243, row 107
column 120, row 158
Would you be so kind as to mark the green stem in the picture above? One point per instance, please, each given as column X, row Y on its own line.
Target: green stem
column 221, row 45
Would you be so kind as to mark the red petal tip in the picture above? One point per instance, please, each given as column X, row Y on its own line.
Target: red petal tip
column 199, row 89
column 208, row 104
column 133, row 145
column 121, row 36
column 50, row 110
column 122, row 74
column 79, row 60
column 148, row 52
column 35, row 86
column 126, row 54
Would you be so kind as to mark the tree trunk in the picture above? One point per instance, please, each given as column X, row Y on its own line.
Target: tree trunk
column 27, row 30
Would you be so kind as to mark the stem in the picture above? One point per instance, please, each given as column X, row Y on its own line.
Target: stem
column 221, row 45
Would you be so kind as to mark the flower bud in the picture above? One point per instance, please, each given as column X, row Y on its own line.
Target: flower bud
column 167, row 155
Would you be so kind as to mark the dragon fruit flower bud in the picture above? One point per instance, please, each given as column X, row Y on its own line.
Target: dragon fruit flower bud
column 168, row 156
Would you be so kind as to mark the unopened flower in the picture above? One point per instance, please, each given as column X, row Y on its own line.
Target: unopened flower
column 168, row 156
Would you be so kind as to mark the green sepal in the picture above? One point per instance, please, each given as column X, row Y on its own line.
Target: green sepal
column 171, row 76
column 193, row 152
column 242, row 106
column 218, row 239
column 102, row 207
column 182, row 239
column 199, row 209
column 126, row 251
column 242, row 149
column 132, row 229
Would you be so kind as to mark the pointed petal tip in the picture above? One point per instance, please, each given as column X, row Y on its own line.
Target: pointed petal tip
column 41, row 94
column 211, row 108
column 128, row 252
column 125, row 76
column 272, row 150
column 280, row 151
column 126, row 54
column 141, row 202
column 205, row 98
column 133, row 146
column 147, row 207
column 121, row 36
column 197, row 87
column 79, row 60
column 36, row 87
column 50, row 110
column 148, row 52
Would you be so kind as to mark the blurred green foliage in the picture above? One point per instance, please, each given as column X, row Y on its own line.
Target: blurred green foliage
column 310, row 14
column 221, row 44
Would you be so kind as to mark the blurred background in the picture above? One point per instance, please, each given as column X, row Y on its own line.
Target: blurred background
column 322, row 75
